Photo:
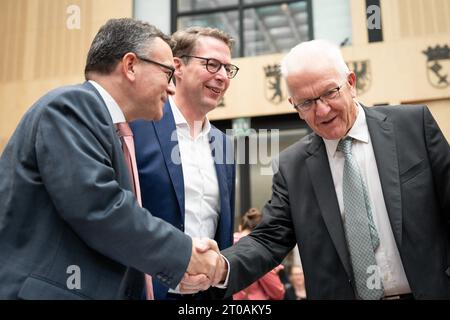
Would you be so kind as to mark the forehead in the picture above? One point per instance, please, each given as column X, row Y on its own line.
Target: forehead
column 211, row 47
column 312, row 81
column 161, row 51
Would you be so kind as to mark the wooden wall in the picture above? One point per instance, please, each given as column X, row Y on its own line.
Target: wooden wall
column 38, row 52
column 42, row 48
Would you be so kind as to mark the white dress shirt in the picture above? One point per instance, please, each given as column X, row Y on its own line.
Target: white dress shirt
column 201, row 187
column 387, row 256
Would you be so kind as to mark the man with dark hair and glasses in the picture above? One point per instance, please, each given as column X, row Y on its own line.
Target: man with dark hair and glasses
column 183, row 169
column 365, row 196
column 71, row 226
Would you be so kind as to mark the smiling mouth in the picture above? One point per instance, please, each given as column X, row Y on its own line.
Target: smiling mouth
column 215, row 90
column 328, row 121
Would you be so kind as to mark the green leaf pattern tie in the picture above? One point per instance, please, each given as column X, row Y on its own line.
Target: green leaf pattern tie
column 362, row 236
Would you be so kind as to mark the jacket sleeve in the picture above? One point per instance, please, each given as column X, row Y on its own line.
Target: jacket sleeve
column 75, row 159
column 266, row 246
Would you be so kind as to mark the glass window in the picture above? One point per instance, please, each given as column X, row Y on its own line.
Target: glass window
column 333, row 21
column 192, row 5
column 270, row 26
column 262, row 1
column 275, row 29
column 226, row 21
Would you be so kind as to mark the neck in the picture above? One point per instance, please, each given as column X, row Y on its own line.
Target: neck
column 194, row 117
column 114, row 87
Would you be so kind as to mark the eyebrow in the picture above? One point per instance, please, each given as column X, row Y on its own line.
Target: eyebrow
column 323, row 92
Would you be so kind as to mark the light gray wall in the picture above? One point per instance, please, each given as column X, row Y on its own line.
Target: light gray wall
column 156, row 12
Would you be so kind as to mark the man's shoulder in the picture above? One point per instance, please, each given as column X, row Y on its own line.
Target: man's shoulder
column 396, row 110
column 146, row 127
column 64, row 99
column 67, row 96
column 76, row 91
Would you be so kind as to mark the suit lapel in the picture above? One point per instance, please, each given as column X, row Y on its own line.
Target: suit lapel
column 220, row 166
column 325, row 192
column 168, row 140
column 382, row 135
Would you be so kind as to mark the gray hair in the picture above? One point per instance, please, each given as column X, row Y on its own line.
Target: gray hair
column 118, row 37
column 310, row 53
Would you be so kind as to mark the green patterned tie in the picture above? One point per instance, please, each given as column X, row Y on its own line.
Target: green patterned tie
column 362, row 236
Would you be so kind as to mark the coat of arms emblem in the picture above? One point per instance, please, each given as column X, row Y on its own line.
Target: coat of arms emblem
column 273, row 84
column 438, row 63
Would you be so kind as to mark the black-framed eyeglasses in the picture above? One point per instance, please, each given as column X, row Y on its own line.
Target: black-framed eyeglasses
column 325, row 98
column 214, row 65
column 165, row 66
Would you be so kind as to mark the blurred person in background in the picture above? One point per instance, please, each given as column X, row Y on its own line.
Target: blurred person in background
column 268, row 287
column 295, row 290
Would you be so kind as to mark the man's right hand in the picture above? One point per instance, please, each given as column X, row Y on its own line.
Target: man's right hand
column 205, row 267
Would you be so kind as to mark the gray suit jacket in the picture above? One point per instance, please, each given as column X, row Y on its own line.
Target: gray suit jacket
column 413, row 160
column 65, row 201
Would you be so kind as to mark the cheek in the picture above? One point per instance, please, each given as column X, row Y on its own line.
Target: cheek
column 309, row 119
column 227, row 83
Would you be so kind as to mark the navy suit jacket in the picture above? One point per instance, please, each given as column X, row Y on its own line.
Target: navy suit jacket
column 413, row 160
column 162, row 183
column 66, row 202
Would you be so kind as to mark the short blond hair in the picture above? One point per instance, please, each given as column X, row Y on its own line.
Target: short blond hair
column 186, row 39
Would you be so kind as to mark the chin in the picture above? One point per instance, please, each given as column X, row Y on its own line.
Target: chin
column 158, row 116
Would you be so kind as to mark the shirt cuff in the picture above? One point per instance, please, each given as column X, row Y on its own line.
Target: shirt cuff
column 224, row 285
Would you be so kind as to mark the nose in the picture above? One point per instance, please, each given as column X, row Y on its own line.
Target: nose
column 170, row 88
column 321, row 108
column 221, row 74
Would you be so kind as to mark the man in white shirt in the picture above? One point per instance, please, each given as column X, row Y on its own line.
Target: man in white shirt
column 366, row 196
column 185, row 170
column 70, row 224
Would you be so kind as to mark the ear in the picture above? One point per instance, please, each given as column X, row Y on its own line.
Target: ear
column 351, row 79
column 178, row 64
column 291, row 101
column 128, row 67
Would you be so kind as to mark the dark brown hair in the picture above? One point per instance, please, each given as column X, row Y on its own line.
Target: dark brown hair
column 118, row 37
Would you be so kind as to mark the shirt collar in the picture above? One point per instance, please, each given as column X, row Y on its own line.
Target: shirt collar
column 180, row 120
column 359, row 131
column 114, row 110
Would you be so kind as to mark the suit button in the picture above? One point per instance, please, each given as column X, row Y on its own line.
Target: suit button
column 181, row 226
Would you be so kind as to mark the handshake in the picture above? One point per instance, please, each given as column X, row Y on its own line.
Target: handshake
column 206, row 268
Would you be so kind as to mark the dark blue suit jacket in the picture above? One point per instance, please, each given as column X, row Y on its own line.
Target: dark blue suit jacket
column 162, row 183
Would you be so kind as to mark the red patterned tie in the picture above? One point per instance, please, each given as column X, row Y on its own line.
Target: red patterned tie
column 126, row 136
